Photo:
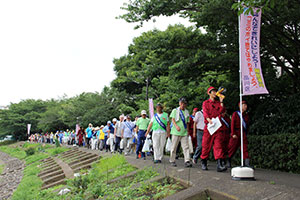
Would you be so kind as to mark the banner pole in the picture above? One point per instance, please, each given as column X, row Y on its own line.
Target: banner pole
column 241, row 98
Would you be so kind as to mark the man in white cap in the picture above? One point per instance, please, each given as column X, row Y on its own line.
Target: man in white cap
column 179, row 131
column 161, row 130
column 127, row 134
column 118, row 133
column 141, row 126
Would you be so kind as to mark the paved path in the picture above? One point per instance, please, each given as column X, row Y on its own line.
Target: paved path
column 11, row 176
column 269, row 184
column 65, row 167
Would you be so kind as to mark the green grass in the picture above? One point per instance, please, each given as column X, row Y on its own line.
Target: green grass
column 30, row 184
column 13, row 151
column 57, row 150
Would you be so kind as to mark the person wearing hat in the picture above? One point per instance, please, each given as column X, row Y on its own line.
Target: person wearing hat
column 141, row 128
column 118, row 134
column 235, row 137
column 127, row 134
column 180, row 119
column 212, row 108
column 160, row 126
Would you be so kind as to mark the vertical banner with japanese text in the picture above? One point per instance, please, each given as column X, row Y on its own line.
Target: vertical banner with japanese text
column 28, row 128
column 252, row 77
column 151, row 109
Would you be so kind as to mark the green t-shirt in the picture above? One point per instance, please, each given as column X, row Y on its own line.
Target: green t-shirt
column 183, row 131
column 143, row 123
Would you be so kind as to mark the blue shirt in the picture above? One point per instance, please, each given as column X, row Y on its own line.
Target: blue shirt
column 105, row 130
column 128, row 128
column 89, row 132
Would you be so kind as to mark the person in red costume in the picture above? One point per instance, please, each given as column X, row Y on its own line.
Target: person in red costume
column 225, row 128
column 212, row 108
column 235, row 137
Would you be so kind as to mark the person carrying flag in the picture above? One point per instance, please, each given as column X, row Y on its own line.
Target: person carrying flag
column 211, row 109
column 180, row 119
column 160, row 126
column 235, row 137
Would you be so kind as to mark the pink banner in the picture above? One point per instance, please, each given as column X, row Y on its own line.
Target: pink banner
column 151, row 109
column 252, row 77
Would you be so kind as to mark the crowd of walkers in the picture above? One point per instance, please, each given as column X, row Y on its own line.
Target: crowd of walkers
column 210, row 127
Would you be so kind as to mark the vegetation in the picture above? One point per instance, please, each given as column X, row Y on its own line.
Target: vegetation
column 277, row 152
column 98, row 183
column 184, row 61
column 30, row 184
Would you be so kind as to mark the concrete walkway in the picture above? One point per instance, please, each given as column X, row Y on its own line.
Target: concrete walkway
column 269, row 184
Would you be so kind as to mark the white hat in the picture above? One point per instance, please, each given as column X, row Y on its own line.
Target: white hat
column 109, row 122
column 101, row 126
column 97, row 128
column 143, row 112
column 114, row 119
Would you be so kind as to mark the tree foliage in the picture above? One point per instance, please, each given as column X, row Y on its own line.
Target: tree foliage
column 184, row 61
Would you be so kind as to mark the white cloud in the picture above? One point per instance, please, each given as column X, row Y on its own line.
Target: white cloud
column 51, row 48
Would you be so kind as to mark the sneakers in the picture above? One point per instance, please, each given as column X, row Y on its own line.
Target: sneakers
column 157, row 161
column 188, row 164
column 194, row 161
column 173, row 164
column 204, row 164
column 137, row 157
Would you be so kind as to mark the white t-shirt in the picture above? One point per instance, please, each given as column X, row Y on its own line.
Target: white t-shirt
column 199, row 119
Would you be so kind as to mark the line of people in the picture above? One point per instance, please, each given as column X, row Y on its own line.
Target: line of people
column 191, row 132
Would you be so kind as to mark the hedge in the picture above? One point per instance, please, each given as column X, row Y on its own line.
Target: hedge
column 277, row 152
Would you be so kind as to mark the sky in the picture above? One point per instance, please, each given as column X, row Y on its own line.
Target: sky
column 57, row 47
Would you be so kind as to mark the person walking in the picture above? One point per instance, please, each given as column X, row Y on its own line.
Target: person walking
column 80, row 135
column 89, row 133
column 160, row 126
column 198, row 133
column 141, row 128
column 101, row 138
column 191, row 128
column 106, row 131
column 225, row 128
column 118, row 134
column 94, row 138
column 235, row 137
column 127, row 134
column 211, row 109
column 180, row 119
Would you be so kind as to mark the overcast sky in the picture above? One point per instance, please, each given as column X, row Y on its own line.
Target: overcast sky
column 57, row 47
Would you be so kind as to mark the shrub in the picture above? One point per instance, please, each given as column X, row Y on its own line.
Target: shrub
column 276, row 152
column 30, row 151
